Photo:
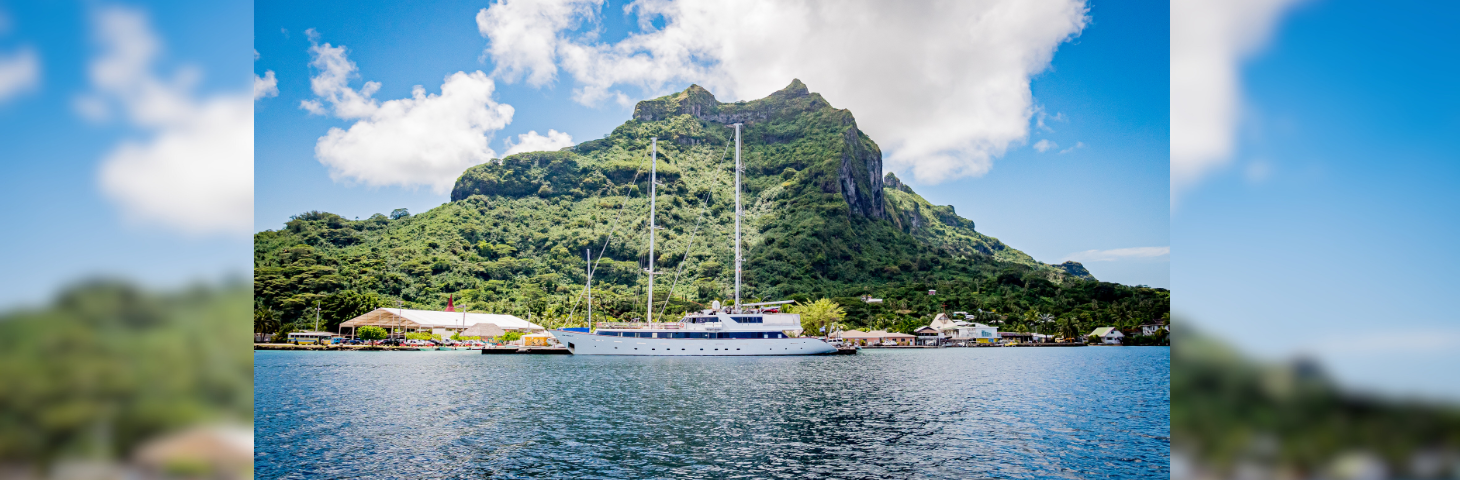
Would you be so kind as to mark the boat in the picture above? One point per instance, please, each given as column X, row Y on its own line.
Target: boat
column 753, row 329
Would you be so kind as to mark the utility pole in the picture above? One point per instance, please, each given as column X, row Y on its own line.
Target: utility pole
column 316, row 315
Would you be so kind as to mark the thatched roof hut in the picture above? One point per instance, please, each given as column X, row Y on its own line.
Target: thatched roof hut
column 484, row 330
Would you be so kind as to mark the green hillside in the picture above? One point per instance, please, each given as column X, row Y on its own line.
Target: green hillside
column 821, row 220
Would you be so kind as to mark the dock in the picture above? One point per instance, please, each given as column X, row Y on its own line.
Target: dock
column 526, row 350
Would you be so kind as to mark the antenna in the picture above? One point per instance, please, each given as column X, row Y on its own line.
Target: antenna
column 737, row 217
column 653, row 179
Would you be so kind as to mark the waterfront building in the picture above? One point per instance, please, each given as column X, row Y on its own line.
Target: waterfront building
column 927, row 336
column 874, row 338
column 1153, row 328
column 404, row 320
column 962, row 332
column 537, row 340
column 1108, row 335
column 1016, row 337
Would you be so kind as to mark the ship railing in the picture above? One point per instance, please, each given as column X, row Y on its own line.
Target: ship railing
column 641, row 325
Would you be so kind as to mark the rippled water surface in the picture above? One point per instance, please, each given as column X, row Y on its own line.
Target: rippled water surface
column 1090, row 412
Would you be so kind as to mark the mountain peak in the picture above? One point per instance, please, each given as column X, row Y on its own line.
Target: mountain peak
column 795, row 89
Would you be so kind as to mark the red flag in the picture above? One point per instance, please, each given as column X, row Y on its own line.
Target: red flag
column 449, row 306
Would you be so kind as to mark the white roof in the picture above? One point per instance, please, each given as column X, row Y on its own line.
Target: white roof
column 434, row 318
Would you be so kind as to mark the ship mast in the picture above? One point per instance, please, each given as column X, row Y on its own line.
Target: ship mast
column 653, row 175
column 737, row 217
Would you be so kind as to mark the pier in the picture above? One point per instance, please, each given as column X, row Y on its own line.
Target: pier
column 526, row 350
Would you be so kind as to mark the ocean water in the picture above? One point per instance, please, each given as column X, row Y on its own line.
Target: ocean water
column 1090, row 412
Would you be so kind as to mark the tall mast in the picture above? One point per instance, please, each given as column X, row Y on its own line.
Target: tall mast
column 653, row 175
column 737, row 217
column 587, row 256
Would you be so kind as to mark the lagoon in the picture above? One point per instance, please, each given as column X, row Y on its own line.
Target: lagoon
column 1093, row 412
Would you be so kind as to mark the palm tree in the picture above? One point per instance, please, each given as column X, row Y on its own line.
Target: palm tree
column 819, row 315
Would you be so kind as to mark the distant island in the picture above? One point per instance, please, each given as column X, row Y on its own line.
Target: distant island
column 822, row 220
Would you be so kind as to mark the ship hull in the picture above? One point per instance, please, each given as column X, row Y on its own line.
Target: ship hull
column 590, row 344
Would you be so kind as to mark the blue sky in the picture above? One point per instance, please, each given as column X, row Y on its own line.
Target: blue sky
column 62, row 226
column 1104, row 90
column 1331, row 230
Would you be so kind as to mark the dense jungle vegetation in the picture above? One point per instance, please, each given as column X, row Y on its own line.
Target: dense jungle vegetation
column 108, row 366
column 821, row 221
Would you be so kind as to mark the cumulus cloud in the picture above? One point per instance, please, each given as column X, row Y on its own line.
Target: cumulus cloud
column 532, row 142
column 1119, row 254
column 424, row 140
column 1045, row 146
column 943, row 87
column 1078, row 145
column 192, row 170
column 20, row 72
column 265, row 86
column 1209, row 40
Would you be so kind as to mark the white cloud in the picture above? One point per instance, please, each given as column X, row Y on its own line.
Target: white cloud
column 1078, row 145
column 1209, row 39
column 331, row 83
column 266, row 86
column 943, row 87
column 424, row 140
column 193, row 170
column 532, row 142
column 1118, row 254
column 1045, row 146
column 1040, row 116
column 20, row 72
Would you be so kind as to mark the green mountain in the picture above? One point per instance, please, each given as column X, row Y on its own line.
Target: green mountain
column 820, row 220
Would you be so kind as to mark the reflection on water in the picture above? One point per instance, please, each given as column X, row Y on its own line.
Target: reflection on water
column 947, row 413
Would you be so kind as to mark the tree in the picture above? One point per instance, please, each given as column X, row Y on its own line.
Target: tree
column 818, row 315
column 342, row 306
column 399, row 213
column 265, row 319
column 369, row 333
column 509, row 337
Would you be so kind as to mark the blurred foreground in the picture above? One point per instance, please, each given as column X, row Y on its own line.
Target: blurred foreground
column 1234, row 418
column 113, row 382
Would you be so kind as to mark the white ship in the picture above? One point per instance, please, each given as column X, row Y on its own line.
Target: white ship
column 749, row 329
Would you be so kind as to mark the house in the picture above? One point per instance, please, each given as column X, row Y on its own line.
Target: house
column 1108, row 335
column 1152, row 328
column 959, row 331
column 927, row 336
column 943, row 322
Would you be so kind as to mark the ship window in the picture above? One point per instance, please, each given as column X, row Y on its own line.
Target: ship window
column 678, row 335
column 748, row 319
column 646, row 334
